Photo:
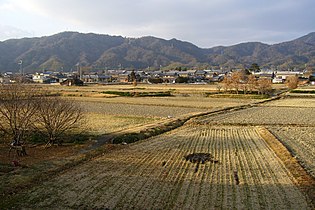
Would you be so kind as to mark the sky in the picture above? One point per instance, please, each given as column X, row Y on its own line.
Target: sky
column 205, row 23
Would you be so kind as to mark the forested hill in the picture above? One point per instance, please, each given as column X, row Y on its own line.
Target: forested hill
column 64, row 51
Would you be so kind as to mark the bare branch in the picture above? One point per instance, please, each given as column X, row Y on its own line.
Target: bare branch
column 18, row 106
column 55, row 116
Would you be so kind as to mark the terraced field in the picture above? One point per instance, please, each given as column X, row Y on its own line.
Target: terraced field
column 154, row 174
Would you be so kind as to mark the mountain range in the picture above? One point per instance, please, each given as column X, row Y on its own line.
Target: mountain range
column 68, row 50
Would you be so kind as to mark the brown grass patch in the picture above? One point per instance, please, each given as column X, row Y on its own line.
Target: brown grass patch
column 41, row 164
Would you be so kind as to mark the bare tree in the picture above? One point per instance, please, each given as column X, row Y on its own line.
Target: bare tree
column 237, row 78
column 264, row 86
column 227, row 83
column 56, row 116
column 251, row 83
column 17, row 108
column 292, row 82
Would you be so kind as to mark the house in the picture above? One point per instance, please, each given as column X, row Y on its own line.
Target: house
column 72, row 82
column 4, row 79
column 217, row 78
column 200, row 73
column 312, row 79
column 284, row 74
column 264, row 75
column 169, row 77
column 156, row 74
column 277, row 80
column 95, row 78
column 40, row 77
column 59, row 77
column 281, row 76
column 188, row 73
column 124, row 77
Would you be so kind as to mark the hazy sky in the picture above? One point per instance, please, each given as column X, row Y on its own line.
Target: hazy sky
column 205, row 23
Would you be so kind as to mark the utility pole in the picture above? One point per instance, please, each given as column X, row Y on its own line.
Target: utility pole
column 79, row 70
column 21, row 67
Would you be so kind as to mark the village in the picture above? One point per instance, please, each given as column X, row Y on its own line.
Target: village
column 121, row 76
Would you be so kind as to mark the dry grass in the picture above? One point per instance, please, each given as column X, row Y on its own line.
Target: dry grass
column 39, row 161
column 103, row 123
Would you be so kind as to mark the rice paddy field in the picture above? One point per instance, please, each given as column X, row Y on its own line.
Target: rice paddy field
column 301, row 143
column 154, row 174
column 106, row 115
column 266, row 116
column 175, row 88
column 256, row 157
column 291, row 120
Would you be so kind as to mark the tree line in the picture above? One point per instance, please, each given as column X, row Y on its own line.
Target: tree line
column 243, row 81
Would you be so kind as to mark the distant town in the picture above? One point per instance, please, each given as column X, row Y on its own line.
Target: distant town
column 205, row 76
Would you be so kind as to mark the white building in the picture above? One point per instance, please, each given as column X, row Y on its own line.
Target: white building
column 40, row 77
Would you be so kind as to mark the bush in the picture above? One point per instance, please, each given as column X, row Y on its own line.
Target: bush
column 128, row 138
column 155, row 80
column 181, row 80
column 292, row 82
column 119, row 93
column 304, row 91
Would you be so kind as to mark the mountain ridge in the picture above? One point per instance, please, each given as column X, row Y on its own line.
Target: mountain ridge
column 66, row 50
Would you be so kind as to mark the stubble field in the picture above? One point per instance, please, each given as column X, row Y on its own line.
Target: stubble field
column 243, row 172
column 153, row 174
column 301, row 143
column 105, row 115
column 265, row 115
column 291, row 120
